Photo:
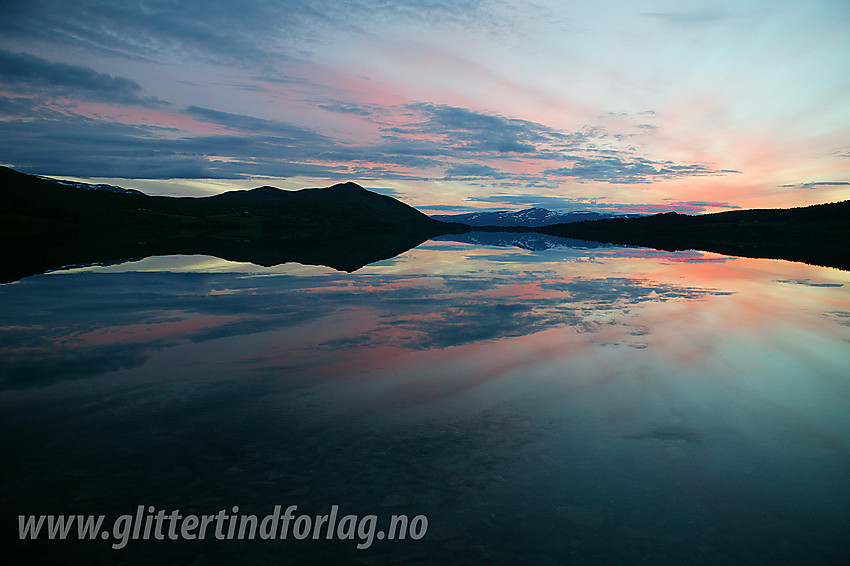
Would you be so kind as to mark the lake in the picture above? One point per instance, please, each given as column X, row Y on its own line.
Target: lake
column 552, row 405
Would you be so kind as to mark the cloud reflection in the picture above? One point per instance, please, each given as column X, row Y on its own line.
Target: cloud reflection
column 75, row 325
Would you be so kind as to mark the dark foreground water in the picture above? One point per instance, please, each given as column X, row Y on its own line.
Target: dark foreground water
column 560, row 406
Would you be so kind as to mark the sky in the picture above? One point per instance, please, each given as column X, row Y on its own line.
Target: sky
column 449, row 105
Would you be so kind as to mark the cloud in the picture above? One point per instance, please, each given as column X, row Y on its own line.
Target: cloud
column 808, row 283
column 253, row 32
column 468, row 131
column 466, row 140
column 467, row 145
column 158, row 29
column 360, row 109
column 27, row 107
column 472, row 170
column 612, row 291
column 29, row 74
column 612, row 169
column 251, row 125
column 384, row 154
column 688, row 19
column 79, row 146
column 816, row 185
column 466, row 311
column 474, row 130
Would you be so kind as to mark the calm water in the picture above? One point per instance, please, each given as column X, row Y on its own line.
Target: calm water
column 544, row 406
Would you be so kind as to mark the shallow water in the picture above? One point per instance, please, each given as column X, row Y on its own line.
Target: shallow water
column 562, row 405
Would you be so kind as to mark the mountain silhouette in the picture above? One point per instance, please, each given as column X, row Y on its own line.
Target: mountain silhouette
column 49, row 225
column 817, row 234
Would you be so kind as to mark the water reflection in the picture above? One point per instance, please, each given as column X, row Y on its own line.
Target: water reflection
column 103, row 321
column 556, row 405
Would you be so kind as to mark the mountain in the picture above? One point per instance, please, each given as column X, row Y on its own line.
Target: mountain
column 91, row 187
column 817, row 234
column 47, row 225
column 33, row 205
column 532, row 217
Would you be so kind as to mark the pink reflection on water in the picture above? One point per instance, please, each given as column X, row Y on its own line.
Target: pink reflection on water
column 147, row 331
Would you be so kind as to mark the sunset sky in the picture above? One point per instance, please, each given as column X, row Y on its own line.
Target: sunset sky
column 449, row 105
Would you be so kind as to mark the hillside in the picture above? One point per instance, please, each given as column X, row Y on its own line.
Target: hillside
column 818, row 234
column 48, row 225
column 35, row 205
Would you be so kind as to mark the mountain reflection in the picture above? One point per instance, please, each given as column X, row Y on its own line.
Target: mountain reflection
column 348, row 251
column 532, row 241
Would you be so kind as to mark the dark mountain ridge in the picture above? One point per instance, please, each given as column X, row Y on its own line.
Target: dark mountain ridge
column 48, row 225
column 817, row 234
column 339, row 206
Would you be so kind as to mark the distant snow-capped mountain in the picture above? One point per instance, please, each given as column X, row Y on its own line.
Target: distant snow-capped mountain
column 91, row 187
column 531, row 217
